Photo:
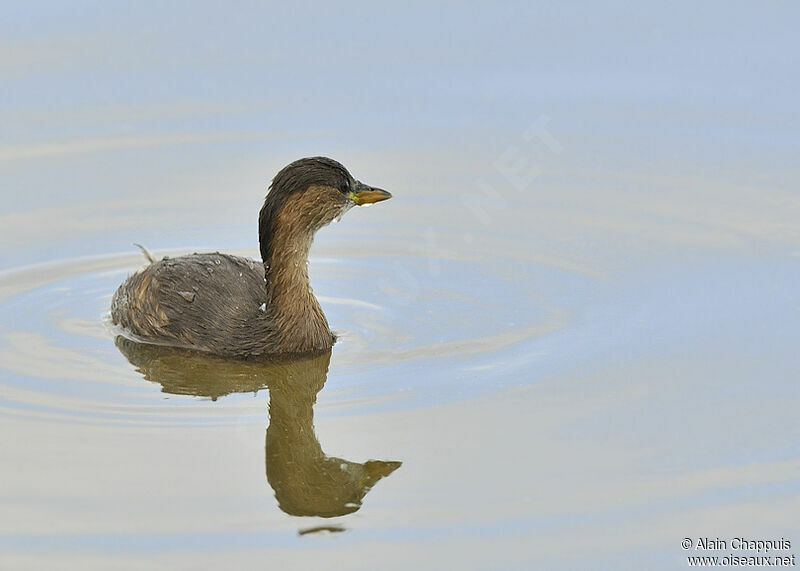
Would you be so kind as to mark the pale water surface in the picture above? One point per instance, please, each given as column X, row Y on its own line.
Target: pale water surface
column 570, row 339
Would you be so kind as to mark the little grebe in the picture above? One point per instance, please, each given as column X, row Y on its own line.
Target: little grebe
column 235, row 307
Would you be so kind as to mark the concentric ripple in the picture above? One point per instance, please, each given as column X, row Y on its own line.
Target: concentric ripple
column 59, row 359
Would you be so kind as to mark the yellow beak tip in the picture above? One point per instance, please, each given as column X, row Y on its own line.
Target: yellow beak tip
column 369, row 196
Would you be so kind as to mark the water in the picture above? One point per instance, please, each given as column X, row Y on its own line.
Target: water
column 568, row 341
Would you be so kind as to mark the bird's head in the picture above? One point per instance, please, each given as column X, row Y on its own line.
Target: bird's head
column 307, row 195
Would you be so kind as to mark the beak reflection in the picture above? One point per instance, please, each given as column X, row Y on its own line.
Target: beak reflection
column 305, row 480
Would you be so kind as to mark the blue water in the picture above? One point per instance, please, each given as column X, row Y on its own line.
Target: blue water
column 575, row 323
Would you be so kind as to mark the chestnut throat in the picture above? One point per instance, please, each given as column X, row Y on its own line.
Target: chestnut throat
column 299, row 323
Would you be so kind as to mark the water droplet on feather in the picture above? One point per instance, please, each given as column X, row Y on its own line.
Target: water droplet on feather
column 187, row 295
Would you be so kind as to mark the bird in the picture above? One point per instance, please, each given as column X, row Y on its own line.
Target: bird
column 236, row 307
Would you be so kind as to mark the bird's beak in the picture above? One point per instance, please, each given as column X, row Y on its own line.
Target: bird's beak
column 363, row 194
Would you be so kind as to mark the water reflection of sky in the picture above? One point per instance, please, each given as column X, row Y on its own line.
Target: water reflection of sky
column 577, row 370
column 718, row 77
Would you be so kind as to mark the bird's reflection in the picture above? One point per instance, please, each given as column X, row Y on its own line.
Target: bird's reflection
column 306, row 481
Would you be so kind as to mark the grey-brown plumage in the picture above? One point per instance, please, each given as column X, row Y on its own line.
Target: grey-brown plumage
column 236, row 307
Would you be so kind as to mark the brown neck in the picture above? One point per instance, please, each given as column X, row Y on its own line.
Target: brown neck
column 301, row 326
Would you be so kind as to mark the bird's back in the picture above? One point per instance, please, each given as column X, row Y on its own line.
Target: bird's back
column 207, row 302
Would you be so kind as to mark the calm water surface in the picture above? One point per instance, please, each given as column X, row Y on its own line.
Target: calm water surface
column 568, row 341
